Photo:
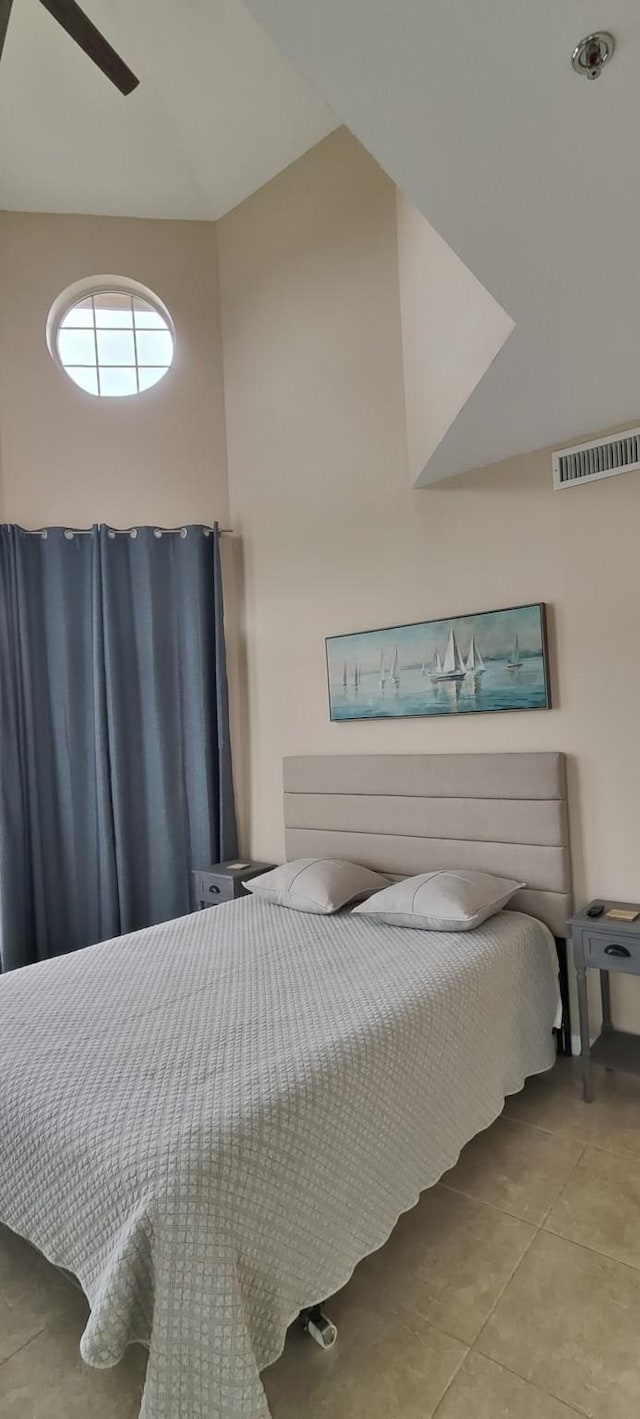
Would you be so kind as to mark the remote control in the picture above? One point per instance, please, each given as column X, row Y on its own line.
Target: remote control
column 596, row 910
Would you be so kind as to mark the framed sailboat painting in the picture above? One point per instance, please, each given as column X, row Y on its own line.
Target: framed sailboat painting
column 489, row 660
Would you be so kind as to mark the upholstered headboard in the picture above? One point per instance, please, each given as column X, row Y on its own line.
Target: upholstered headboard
column 409, row 813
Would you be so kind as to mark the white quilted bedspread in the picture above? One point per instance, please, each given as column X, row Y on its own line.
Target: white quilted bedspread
column 211, row 1121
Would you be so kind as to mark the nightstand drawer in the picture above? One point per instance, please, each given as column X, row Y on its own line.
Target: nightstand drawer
column 611, row 952
column 224, row 881
column 211, row 889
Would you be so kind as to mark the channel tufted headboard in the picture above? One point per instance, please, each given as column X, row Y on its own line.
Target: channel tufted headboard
column 409, row 813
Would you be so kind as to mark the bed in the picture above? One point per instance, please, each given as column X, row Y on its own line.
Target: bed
column 212, row 1121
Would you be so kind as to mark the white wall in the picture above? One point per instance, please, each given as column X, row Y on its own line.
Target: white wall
column 451, row 327
column 335, row 539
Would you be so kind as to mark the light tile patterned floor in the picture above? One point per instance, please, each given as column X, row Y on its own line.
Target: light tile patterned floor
column 512, row 1291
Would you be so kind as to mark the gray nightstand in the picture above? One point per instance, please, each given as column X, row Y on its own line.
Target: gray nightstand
column 604, row 945
column 223, row 882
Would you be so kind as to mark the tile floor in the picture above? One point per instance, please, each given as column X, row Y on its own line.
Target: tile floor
column 512, row 1291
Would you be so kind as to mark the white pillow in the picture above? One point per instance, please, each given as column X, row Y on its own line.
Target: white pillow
column 441, row 901
column 316, row 884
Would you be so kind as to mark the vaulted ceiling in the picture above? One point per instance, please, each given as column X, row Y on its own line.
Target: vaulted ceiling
column 528, row 171
column 219, row 111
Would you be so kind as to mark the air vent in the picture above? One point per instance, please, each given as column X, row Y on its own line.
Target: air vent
column 600, row 458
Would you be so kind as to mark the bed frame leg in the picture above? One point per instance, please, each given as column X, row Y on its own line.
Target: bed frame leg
column 318, row 1326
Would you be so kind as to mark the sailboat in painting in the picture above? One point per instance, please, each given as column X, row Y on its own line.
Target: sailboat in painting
column 344, row 676
column 475, row 664
column 515, row 659
column 394, row 670
column 453, row 666
column 383, row 673
column 436, row 666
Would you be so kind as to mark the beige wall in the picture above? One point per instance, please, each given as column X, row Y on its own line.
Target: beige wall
column 334, row 538
column 66, row 457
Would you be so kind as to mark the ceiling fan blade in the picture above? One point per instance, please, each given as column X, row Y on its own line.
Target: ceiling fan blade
column 81, row 29
column 5, row 15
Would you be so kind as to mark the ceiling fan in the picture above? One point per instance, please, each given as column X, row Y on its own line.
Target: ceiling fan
column 81, row 29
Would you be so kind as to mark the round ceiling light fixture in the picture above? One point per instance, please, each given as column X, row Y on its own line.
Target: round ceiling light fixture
column 592, row 53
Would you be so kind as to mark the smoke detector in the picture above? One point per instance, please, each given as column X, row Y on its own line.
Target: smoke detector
column 592, row 53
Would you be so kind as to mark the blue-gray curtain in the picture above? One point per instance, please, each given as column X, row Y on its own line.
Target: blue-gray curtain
column 115, row 760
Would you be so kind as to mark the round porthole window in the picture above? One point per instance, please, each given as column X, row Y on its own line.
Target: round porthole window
column 112, row 336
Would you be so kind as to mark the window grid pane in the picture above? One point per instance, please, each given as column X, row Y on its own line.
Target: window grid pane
column 113, row 319
column 77, row 319
column 148, row 375
column 116, row 347
column 118, row 381
column 87, row 379
column 154, row 347
column 114, row 344
column 75, row 347
column 149, row 320
column 114, row 310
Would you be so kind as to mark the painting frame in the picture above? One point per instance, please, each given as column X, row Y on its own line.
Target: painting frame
column 539, row 698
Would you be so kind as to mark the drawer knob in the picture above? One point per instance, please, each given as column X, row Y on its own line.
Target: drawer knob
column 216, row 890
column 616, row 951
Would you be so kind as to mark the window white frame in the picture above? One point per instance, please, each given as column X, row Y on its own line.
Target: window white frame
column 92, row 287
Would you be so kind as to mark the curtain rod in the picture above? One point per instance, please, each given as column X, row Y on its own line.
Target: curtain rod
column 125, row 531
